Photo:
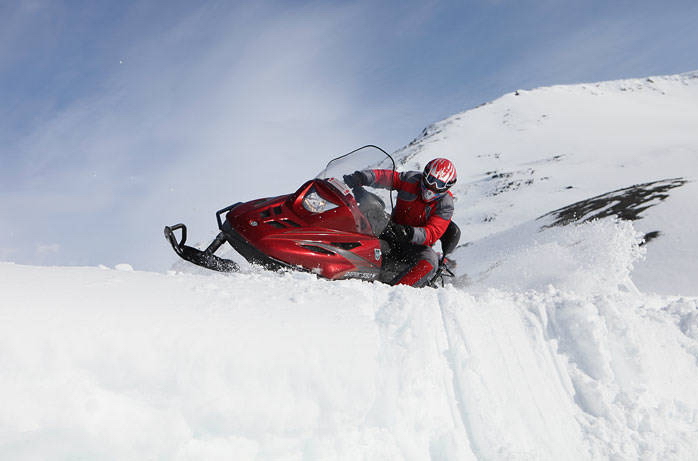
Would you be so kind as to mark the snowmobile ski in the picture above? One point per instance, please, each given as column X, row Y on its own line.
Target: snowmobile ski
column 204, row 258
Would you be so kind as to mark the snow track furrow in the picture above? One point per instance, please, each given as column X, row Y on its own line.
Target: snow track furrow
column 455, row 340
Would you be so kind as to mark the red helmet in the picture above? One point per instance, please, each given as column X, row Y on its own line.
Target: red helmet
column 438, row 176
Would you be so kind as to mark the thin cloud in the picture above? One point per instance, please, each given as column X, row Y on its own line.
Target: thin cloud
column 204, row 112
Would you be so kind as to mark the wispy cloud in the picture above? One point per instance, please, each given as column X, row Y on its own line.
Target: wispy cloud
column 221, row 105
column 47, row 248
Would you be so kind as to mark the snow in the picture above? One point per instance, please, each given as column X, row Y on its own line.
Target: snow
column 108, row 364
column 553, row 342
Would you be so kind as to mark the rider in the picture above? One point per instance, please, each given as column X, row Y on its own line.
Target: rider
column 422, row 214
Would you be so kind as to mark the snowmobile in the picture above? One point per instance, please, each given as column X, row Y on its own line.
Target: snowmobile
column 324, row 227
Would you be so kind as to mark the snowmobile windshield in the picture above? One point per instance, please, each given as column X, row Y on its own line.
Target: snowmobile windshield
column 363, row 158
column 375, row 203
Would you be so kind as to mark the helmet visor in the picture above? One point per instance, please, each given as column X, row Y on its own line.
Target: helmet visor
column 429, row 194
column 435, row 184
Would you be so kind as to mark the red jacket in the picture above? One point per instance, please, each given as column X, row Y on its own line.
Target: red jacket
column 429, row 219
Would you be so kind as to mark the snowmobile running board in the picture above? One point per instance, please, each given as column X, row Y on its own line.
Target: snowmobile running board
column 204, row 258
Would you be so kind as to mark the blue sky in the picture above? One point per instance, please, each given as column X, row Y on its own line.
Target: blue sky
column 119, row 117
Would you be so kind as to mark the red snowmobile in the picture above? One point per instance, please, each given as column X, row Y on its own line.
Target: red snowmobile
column 324, row 227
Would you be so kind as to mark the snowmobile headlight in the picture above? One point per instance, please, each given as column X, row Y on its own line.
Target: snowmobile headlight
column 316, row 204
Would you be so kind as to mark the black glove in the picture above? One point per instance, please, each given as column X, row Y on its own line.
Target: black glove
column 354, row 180
column 397, row 234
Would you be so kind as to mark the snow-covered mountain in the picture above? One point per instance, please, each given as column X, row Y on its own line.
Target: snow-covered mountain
column 532, row 152
column 562, row 337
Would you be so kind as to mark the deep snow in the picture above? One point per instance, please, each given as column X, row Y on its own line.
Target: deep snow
column 552, row 343
column 101, row 363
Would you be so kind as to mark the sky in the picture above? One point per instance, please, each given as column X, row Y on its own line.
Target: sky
column 117, row 118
